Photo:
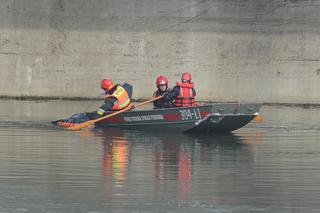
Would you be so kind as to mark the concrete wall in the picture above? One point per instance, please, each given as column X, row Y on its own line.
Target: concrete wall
column 245, row 50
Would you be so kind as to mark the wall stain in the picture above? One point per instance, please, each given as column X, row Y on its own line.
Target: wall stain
column 61, row 5
column 5, row 42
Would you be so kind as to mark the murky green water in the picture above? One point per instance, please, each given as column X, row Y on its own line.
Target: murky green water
column 272, row 166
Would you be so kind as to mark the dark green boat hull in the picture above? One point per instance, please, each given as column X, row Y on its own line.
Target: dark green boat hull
column 217, row 117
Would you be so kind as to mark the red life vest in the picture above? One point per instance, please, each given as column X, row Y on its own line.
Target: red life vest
column 186, row 95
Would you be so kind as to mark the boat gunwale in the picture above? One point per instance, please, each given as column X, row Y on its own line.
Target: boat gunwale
column 201, row 106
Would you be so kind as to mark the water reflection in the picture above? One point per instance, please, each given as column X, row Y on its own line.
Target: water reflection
column 115, row 156
column 173, row 161
column 270, row 167
column 177, row 159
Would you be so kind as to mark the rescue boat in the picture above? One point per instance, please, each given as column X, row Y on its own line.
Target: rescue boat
column 216, row 117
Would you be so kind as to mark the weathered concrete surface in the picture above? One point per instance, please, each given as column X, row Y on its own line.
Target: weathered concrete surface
column 246, row 50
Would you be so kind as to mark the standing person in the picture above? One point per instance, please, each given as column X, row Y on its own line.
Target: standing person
column 183, row 94
column 162, row 85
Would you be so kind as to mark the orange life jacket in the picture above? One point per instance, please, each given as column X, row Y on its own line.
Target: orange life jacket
column 123, row 100
column 186, row 95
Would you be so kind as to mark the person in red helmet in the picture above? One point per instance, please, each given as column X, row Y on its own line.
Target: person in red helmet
column 183, row 94
column 117, row 97
column 162, row 85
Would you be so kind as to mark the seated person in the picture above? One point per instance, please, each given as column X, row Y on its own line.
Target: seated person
column 162, row 85
column 183, row 94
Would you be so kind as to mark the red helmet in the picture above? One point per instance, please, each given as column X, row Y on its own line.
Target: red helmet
column 186, row 76
column 161, row 80
column 107, row 84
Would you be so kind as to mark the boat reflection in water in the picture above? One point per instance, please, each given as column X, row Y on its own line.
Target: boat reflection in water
column 115, row 157
column 167, row 164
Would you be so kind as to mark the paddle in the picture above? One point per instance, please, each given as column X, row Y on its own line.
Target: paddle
column 90, row 122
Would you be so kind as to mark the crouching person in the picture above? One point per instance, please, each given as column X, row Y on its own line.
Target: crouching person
column 117, row 98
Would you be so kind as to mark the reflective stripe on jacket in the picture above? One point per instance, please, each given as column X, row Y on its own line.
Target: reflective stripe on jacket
column 123, row 100
column 186, row 95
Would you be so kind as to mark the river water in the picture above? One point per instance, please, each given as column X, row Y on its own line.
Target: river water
column 273, row 166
